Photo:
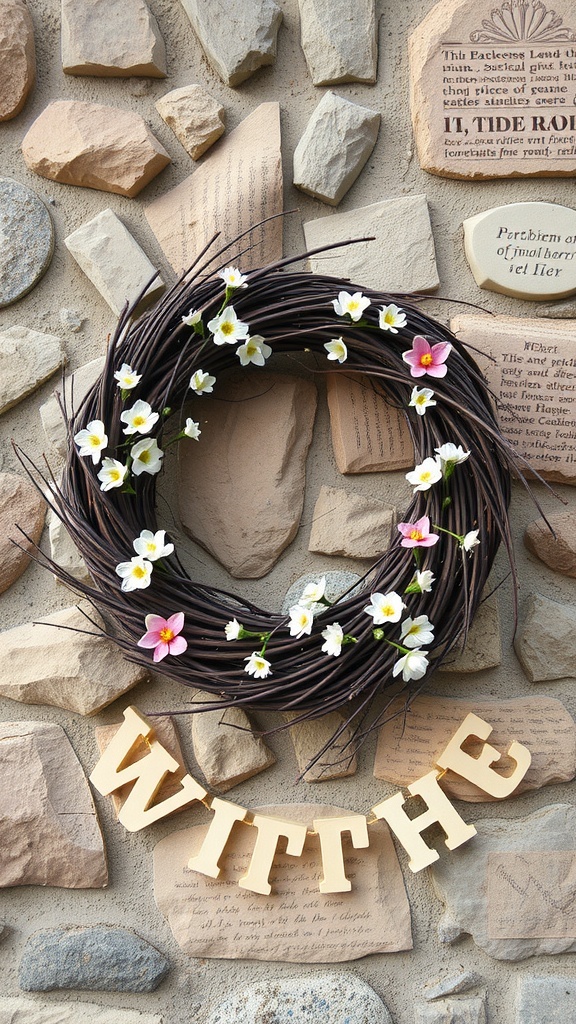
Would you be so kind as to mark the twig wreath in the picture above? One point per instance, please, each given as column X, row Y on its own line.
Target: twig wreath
column 419, row 598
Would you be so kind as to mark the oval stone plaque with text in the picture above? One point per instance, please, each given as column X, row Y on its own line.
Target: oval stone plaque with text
column 525, row 249
column 493, row 88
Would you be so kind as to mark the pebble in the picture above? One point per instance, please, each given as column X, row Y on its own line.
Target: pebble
column 27, row 359
column 18, row 63
column 339, row 41
column 71, row 320
column 27, row 236
column 470, row 1010
column 336, row 143
column 195, row 117
column 20, row 505
column 103, row 958
column 554, row 544
column 354, row 525
column 326, row 998
column 244, row 44
column 126, row 42
column 546, row 640
column 226, row 750
column 451, row 985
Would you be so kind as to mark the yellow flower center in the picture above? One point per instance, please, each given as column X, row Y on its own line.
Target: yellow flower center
column 421, row 400
column 139, row 572
column 389, row 318
column 353, row 304
column 144, row 456
column 138, row 421
column 94, row 440
column 388, row 610
column 426, row 359
column 227, row 327
column 115, row 474
column 416, row 535
column 166, row 635
column 425, row 476
column 151, row 546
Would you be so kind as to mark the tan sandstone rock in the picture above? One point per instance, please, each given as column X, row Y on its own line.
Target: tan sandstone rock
column 43, row 664
column 20, row 505
column 63, row 550
column 354, row 525
column 315, row 734
column 339, row 40
column 111, row 38
column 546, row 640
column 27, row 359
column 95, row 146
column 238, row 37
column 226, row 750
column 49, row 833
column 246, row 510
column 29, row 1011
column 554, row 544
column 483, row 647
column 368, row 434
column 17, row 57
column 195, row 117
column 76, row 387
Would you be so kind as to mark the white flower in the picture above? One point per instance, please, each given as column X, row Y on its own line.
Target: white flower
column 254, row 350
column 424, row 475
column 257, row 666
column 201, row 382
column 333, row 635
column 301, row 620
column 421, row 398
column 147, row 457
column 92, row 440
column 470, row 540
column 412, row 666
column 192, row 318
column 336, row 349
column 391, row 318
column 135, row 573
column 450, row 453
column 353, row 305
column 424, row 580
column 139, row 419
column 232, row 277
column 126, row 377
column 232, row 629
column 418, row 631
column 227, row 328
column 192, row 429
column 385, row 607
column 313, row 593
column 152, row 545
column 112, row 474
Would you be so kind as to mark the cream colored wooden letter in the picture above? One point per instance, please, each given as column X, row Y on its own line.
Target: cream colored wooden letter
column 330, row 832
column 225, row 815
column 477, row 769
column 269, row 832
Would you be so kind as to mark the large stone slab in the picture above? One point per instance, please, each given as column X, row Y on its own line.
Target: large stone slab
column 17, row 57
column 49, row 833
column 117, row 41
column 114, row 262
column 237, row 186
column 30, row 1011
column 490, row 89
column 195, row 117
column 327, row 998
column 336, row 144
column 20, row 505
column 95, row 146
column 166, row 733
column 529, row 366
column 408, row 746
column 400, row 259
column 315, row 734
column 43, row 664
column 553, row 541
column 545, row 999
column 354, row 525
column 106, row 958
column 76, row 387
column 27, row 240
column 27, row 359
column 340, row 43
column 546, row 640
column 216, row 918
column 221, row 475
column 368, row 434
column 523, row 249
column 226, row 750
column 245, row 41
column 513, row 888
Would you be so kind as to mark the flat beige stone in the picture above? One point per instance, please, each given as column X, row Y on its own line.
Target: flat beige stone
column 49, row 833
column 76, row 387
column 554, row 542
column 237, row 39
column 111, row 39
column 95, row 146
column 20, row 506
column 63, row 550
column 368, row 435
column 20, row 1010
column 488, row 87
column 529, row 366
column 483, row 648
column 237, row 186
column 226, row 750
column 353, row 525
column 27, row 359
column 215, row 918
column 166, row 733
column 546, row 640
column 401, row 258
column 195, row 117
column 243, row 510
column 524, row 249
column 408, row 745
column 340, row 44
column 310, row 737
column 43, row 664
column 17, row 57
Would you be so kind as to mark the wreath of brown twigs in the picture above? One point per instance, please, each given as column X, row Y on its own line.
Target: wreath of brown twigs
column 293, row 311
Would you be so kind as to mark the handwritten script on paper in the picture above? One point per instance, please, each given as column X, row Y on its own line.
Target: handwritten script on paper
column 532, row 894
column 368, row 434
column 215, row 918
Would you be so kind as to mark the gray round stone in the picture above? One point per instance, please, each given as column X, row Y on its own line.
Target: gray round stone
column 328, row 997
column 27, row 237
column 338, row 581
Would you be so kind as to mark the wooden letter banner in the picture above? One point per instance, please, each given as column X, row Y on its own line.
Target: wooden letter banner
column 115, row 769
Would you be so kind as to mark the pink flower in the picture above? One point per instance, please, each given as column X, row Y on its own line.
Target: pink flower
column 417, row 535
column 162, row 635
column 424, row 358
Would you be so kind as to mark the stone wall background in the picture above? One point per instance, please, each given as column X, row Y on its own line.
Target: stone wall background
column 194, row 987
